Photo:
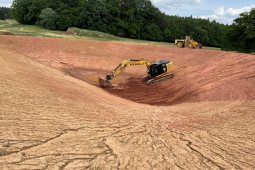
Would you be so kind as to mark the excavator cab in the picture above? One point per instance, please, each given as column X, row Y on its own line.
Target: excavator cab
column 158, row 68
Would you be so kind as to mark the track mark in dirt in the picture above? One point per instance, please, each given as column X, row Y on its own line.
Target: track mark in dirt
column 201, row 82
column 201, row 75
column 69, row 124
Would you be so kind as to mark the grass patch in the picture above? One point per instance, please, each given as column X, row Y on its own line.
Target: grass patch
column 109, row 37
column 94, row 34
column 10, row 26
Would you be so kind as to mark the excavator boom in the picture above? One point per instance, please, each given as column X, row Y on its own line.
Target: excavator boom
column 124, row 64
column 106, row 82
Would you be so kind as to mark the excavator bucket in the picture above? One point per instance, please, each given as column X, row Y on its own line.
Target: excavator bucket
column 104, row 83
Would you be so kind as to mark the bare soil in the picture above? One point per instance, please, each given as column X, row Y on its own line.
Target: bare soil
column 54, row 115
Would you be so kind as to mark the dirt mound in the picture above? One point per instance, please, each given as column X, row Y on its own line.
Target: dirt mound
column 50, row 119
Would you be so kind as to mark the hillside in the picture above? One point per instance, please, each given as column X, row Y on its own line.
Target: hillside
column 54, row 117
column 14, row 28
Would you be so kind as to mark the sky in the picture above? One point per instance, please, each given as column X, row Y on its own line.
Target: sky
column 223, row 11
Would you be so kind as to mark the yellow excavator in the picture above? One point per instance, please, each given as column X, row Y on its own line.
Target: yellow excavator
column 157, row 71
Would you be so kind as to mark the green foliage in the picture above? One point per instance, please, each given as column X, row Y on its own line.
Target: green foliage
column 68, row 12
column 139, row 16
column 20, row 10
column 152, row 32
column 48, row 18
column 240, row 35
column 27, row 11
column 137, row 19
column 204, row 31
column 95, row 15
column 5, row 13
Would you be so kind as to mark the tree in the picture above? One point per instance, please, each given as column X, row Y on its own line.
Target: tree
column 48, row 18
column 93, row 15
column 152, row 32
column 68, row 12
column 5, row 13
column 20, row 9
column 241, row 34
column 138, row 19
column 137, row 15
column 27, row 11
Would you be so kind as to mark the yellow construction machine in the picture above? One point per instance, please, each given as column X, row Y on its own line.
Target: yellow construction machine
column 157, row 71
column 188, row 42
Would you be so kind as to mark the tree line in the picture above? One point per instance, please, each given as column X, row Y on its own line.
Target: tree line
column 138, row 19
column 240, row 36
column 5, row 13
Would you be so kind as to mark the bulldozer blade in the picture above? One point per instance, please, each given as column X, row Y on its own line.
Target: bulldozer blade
column 103, row 82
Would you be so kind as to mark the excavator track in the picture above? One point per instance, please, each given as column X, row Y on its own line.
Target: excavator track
column 157, row 80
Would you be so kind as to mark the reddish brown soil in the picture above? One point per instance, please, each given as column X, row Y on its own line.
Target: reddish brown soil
column 203, row 118
column 201, row 75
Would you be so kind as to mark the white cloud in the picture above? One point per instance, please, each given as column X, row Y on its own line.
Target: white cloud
column 237, row 11
column 220, row 11
column 174, row 3
column 5, row 3
column 227, row 15
column 221, row 19
column 211, row 17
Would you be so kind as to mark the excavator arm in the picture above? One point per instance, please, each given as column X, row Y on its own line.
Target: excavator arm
column 126, row 63
column 121, row 67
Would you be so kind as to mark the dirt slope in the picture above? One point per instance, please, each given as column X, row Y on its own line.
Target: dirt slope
column 202, row 119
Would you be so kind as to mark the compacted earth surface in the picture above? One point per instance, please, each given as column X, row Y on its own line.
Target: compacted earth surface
column 53, row 114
